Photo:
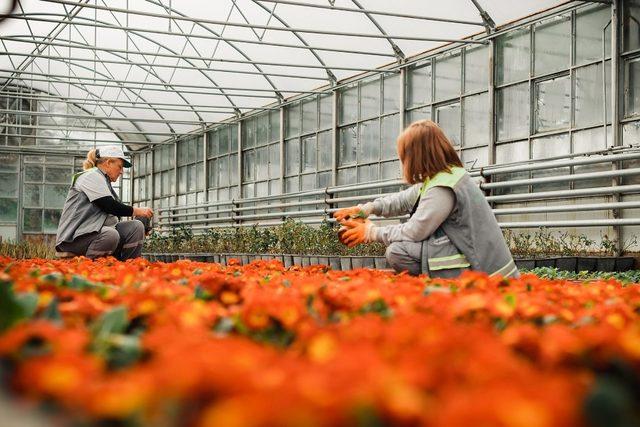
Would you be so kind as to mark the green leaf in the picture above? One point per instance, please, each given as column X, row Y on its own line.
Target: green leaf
column 224, row 326
column 378, row 306
column 511, row 300
column 11, row 311
column 201, row 293
column 114, row 321
column 28, row 302
column 611, row 403
column 52, row 313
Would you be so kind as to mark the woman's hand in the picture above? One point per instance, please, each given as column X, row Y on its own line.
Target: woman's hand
column 350, row 212
column 357, row 232
column 145, row 212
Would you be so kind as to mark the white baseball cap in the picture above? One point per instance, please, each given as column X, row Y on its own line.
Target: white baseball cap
column 113, row 151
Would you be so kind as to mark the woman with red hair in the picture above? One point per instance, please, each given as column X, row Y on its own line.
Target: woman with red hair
column 451, row 227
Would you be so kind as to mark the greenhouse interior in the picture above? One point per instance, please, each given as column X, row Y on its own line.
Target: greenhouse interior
column 276, row 212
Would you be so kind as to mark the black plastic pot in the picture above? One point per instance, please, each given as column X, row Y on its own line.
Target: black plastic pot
column 525, row 264
column 334, row 263
column 586, row 263
column 625, row 263
column 323, row 260
column 297, row 260
column 567, row 263
column 545, row 262
column 345, row 263
column 287, row 260
column 606, row 264
column 380, row 263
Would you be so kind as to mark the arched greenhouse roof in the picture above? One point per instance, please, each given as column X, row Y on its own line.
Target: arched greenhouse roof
column 151, row 70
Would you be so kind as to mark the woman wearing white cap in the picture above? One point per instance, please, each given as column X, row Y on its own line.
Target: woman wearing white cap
column 89, row 224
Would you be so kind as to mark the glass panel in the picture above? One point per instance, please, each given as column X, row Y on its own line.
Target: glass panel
column 324, row 179
column 631, row 25
column 631, row 133
column 448, row 117
column 589, row 27
column 476, row 120
column 292, row 185
column 32, row 195
column 589, row 140
column 476, row 73
column 292, row 122
column 8, row 210
column 275, row 186
column 391, row 102
column 423, row 113
column 8, row 162
column 513, row 56
column 542, row 148
column 553, row 104
column 262, row 189
column 248, row 164
column 55, row 196
column 390, row 128
column 33, row 173
column 157, row 185
column 223, row 141
column 512, row 105
column 233, row 138
column 309, row 154
column 348, row 105
column 274, row 160
column 370, row 99
column 32, row 220
column 368, row 173
column 308, row 182
column 419, row 86
column 473, row 158
column 369, row 144
column 325, row 157
column 150, row 162
column 347, row 176
column 632, row 88
column 552, row 45
column 9, row 187
column 448, row 76
column 200, row 176
column 512, row 152
column 233, row 169
column 326, row 111
column 248, row 190
column 212, row 165
column 390, row 170
column 262, row 163
column 182, row 179
column 193, row 150
column 588, row 93
column 274, row 125
column 348, row 143
column 213, row 142
column 292, row 156
column 57, row 175
column 262, row 133
column 223, row 171
column 310, row 115
column 248, row 133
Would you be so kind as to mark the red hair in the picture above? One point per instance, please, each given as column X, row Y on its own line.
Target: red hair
column 424, row 151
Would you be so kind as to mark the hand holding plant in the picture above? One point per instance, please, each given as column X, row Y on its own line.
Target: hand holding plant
column 355, row 232
column 349, row 213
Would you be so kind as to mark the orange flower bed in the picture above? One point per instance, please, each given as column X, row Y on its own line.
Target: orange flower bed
column 202, row 344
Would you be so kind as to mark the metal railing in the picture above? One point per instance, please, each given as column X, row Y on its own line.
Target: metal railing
column 316, row 206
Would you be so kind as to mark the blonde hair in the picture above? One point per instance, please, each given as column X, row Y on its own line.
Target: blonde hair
column 92, row 160
column 424, row 151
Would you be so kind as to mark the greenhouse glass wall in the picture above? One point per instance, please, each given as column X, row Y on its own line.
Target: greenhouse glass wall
column 534, row 102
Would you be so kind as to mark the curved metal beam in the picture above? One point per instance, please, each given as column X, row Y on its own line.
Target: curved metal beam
column 332, row 77
column 396, row 50
column 232, row 45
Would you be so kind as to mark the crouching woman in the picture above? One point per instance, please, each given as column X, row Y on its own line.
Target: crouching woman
column 451, row 226
column 90, row 222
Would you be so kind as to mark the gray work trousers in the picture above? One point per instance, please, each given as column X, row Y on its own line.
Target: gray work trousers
column 124, row 241
column 412, row 257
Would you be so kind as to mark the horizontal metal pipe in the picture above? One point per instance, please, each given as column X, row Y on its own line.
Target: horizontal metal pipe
column 567, row 208
column 92, row 24
column 375, row 12
column 374, row 185
column 152, row 87
column 184, row 57
column 100, row 118
column 131, row 103
column 566, row 193
column 99, row 130
column 561, row 178
column 252, row 26
column 84, row 141
column 558, row 164
column 572, row 223
column 143, row 65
